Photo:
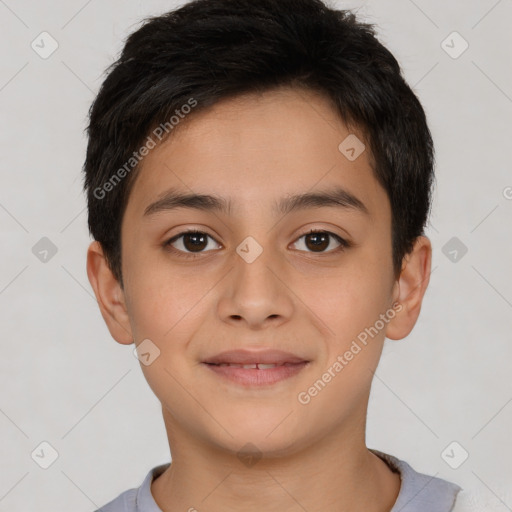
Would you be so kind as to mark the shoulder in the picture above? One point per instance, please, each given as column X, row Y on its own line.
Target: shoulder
column 137, row 499
column 125, row 502
column 420, row 492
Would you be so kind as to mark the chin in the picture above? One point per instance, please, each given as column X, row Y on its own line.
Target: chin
column 273, row 435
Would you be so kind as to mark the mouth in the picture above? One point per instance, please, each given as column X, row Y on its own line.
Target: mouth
column 256, row 368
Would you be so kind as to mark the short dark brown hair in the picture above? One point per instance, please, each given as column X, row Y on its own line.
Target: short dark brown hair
column 209, row 50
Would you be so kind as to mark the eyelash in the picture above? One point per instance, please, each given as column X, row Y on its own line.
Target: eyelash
column 344, row 244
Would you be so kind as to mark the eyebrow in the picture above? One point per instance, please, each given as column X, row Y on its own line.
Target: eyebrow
column 333, row 197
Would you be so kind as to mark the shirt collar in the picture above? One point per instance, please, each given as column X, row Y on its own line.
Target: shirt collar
column 144, row 501
column 418, row 492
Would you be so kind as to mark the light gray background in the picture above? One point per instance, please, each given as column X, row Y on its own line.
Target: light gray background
column 65, row 381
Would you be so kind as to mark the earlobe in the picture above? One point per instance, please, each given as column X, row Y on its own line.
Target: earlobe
column 410, row 288
column 109, row 295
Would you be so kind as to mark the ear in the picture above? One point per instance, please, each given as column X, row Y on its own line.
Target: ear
column 109, row 294
column 410, row 288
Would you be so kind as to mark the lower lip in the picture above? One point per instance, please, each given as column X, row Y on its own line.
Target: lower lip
column 255, row 377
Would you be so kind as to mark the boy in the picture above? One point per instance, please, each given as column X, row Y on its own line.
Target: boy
column 258, row 178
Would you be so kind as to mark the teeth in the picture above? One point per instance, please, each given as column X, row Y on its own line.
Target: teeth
column 253, row 366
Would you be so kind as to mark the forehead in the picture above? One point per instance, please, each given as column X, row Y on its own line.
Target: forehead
column 257, row 148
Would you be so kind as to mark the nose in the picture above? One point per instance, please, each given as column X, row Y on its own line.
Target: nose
column 256, row 293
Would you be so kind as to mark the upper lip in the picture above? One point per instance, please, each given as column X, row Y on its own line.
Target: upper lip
column 251, row 357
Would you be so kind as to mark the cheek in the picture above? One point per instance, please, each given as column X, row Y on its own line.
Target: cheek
column 350, row 299
column 167, row 311
column 162, row 295
column 350, row 304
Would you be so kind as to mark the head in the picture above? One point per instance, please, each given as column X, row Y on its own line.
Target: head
column 253, row 124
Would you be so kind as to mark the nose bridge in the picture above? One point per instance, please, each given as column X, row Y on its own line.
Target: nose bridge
column 254, row 261
column 257, row 291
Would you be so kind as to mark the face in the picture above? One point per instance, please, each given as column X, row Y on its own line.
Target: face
column 303, row 284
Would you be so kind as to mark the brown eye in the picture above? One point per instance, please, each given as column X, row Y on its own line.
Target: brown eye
column 195, row 241
column 319, row 241
column 189, row 242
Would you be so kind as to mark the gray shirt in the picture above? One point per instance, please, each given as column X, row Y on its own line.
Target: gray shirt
column 418, row 492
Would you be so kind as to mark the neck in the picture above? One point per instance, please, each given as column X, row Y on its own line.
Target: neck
column 330, row 474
